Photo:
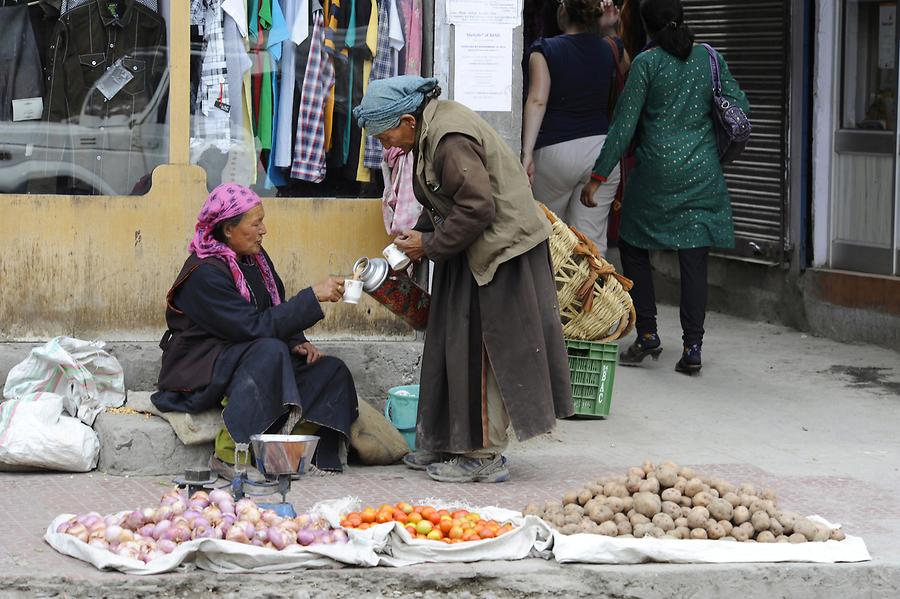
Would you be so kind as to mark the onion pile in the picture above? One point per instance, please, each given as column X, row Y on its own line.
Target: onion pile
column 149, row 533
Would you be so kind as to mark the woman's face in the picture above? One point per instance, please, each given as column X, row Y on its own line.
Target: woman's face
column 402, row 136
column 245, row 238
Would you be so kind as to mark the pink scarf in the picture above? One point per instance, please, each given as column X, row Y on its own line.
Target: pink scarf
column 224, row 202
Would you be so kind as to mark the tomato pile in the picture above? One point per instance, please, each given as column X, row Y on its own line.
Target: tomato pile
column 427, row 522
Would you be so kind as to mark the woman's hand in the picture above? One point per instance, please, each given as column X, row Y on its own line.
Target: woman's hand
column 528, row 163
column 309, row 350
column 329, row 290
column 587, row 193
column 610, row 18
column 410, row 242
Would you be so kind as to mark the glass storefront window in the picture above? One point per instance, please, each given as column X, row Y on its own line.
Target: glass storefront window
column 870, row 65
column 272, row 90
column 83, row 95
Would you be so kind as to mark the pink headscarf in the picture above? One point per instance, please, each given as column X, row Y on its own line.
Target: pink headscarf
column 224, row 202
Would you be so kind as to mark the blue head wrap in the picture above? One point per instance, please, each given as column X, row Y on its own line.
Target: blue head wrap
column 386, row 100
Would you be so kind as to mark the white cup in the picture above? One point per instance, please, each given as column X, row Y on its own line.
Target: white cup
column 395, row 257
column 353, row 289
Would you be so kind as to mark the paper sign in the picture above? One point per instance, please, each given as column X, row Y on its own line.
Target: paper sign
column 27, row 109
column 483, row 64
column 484, row 12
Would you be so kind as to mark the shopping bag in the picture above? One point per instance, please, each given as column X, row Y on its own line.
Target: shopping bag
column 82, row 373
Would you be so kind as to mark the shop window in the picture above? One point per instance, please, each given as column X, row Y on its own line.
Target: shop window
column 870, row 65
column 272, row 90
column 83, row 95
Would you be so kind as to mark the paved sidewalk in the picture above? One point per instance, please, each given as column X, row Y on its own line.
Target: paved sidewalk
column 814, row 419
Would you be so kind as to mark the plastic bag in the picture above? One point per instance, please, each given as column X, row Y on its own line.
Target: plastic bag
column 81, row 372
column 35, row 434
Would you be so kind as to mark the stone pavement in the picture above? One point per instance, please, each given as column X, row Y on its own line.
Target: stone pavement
column 814, row 419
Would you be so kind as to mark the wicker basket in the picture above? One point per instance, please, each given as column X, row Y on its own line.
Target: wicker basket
column 593, row 298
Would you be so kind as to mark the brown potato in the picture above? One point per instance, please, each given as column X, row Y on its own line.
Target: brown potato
column 698, row 517
column 702, row 499
column 624, row 528
column 732, row 498
column 720, row 509
column 685, row 501
column 823, row 533
column 615, row 504
column 699, row 533
column 656, row 532
column 667, row 477
column 683, row 532
column 680, row 484
column 672, row 509
column 740, row 514
column 682, row 521
column 664, row 521
column 740, row 534
column 670, row 494
column 636, row 472
column 648, row 504
column 569, row 529
column 649, row 485
column 776, row 527
column 584, row 496
column 837, row 535
column 805, row 528
column 765, row 537
column 726, row 526
column 627, row 503
column 608, row 529
column 693, row 486
column 760, row 521
column 601, row 514
column 648, row 467
column 639, row 519
column 797, row 538
column 715, row 531
column 572, row 519
column 552, row 505
column 641, row 530
column 673, row 534
column 570, row 497
column 686, row 473
column 620, row 518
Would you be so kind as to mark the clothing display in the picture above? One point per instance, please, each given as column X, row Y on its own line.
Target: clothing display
column 20, row 65
column 311, row 62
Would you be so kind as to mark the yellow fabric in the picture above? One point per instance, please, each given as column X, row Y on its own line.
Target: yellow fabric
column 363, row 174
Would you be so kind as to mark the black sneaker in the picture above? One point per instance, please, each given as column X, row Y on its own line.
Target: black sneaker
column 645, row 345
column 690, row 362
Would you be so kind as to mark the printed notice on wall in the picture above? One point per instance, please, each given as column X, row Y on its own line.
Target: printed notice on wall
column 483, row 12
column 482, row 75
column 887, row 15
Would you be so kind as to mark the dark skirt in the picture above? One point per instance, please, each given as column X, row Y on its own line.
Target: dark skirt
column 515, row 319
column 262, row 380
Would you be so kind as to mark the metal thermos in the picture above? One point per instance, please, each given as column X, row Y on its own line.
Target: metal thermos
column 394, row 290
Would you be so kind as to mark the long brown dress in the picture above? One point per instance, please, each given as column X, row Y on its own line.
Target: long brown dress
column 513, row 321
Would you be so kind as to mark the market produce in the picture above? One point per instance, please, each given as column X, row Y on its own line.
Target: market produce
column 149, row 533
column 673, row 502
column 428, row 522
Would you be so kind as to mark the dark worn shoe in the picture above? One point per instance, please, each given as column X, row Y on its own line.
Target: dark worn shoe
column 420, row 460
column 645, row 345
column 690, row 362
column 461, row 469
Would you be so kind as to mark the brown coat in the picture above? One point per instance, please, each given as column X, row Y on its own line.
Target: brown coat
column 512, row 320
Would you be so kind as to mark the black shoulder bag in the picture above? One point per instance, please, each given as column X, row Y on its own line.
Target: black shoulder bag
column 729, row 121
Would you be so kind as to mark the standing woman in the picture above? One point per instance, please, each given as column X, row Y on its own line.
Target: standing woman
column 676, row 197
column 494, row 351
column 566, row 114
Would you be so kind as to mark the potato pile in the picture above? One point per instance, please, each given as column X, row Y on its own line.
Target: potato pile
column 668, row 501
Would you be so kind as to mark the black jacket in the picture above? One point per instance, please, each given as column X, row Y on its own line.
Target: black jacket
column 20, row 63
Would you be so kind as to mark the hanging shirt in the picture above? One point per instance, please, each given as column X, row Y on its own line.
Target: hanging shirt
column 309, row 153
column 212, row 121
column 294, row 11
column 395, row 33
column 381, row 69
column 412, row 26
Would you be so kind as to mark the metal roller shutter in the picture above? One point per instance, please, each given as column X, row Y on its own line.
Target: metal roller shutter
column 753, row 38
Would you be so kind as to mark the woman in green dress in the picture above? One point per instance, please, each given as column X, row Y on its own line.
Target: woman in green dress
column 676, row 197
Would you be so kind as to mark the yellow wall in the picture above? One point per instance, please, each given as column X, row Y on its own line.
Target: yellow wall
column 99, row 267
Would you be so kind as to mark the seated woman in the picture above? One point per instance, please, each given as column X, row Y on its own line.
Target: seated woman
column 234, row 340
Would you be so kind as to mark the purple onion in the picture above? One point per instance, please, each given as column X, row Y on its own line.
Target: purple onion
column 200, row 497
column 236, row 534
column 189, row 515
column 134, row 520
column 340, row 536
column 218, row 495
column 163, row 513
column 112, row 519
column 64, row 526
column 157, row 529
column 306, row 537
column 166, row 546
column 99, row 544
column 227, row 507
column 257, row 543
column 276, row 536
column 113, row 534
column 78, row 531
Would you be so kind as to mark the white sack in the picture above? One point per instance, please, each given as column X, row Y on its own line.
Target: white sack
column 598, row 549
column 35, row 434
column 81, row 372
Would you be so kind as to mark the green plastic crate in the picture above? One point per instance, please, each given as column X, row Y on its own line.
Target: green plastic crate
column 593, row 369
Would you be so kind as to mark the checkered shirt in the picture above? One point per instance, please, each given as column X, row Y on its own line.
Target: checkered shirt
column 309, row 151
column 213, row 123
column 381, row 69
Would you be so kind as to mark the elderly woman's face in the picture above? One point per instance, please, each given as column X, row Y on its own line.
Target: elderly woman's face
column 402, row 136
column 246, row 237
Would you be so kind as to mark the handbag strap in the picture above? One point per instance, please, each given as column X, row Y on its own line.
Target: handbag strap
column 714, row 70
column 615, row 52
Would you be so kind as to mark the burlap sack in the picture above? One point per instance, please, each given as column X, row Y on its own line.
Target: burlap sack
column 375, row 440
